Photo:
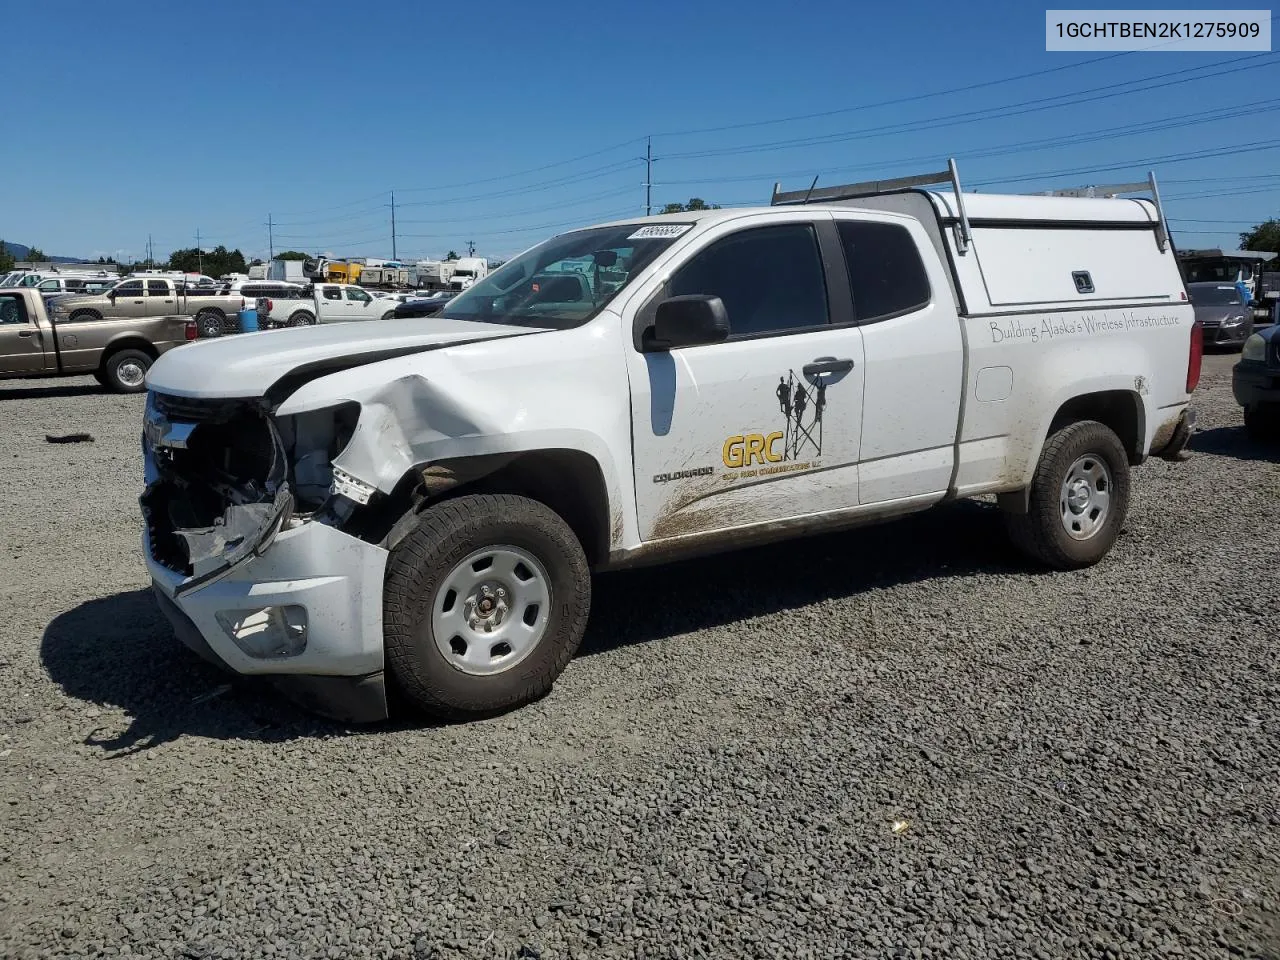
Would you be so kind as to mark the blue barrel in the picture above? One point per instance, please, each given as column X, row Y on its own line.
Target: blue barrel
column 248, row 321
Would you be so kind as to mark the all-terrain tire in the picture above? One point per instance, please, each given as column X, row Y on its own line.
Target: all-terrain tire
column 1041, row 532
column 301, row 319
column 124, row 371
column 446, row 535
column 210, row 323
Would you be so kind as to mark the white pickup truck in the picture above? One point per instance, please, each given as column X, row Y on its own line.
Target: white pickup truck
column 323, row 303
column 429, row 498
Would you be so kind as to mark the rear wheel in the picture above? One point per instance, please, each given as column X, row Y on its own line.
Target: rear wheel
column 1079, row 498
column 301, row 319
column 125, row 371
column 209, row 323
column 485, row 603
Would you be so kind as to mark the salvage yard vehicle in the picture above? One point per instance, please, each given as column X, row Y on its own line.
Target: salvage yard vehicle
column 1224, row 317
column 323, row 303
column 1255, row 382
column 138, row 297
column 117, row 351
column 423, row 503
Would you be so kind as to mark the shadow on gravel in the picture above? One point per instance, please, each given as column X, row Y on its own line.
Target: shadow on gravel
column 120, row 651
column 1234, row 442
column 59, row 390
column 963, row 539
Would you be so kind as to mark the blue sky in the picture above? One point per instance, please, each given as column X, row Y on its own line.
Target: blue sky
column 162, row 119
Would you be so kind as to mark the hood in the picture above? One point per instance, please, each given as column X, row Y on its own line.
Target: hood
column 1216, row 313
column 249, row 364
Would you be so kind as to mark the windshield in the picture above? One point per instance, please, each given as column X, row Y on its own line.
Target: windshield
column 1216, row 271
column 1214, row 296
column 565, row 281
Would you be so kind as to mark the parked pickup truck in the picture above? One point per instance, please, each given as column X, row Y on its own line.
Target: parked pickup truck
column 323, row 303
column 429, row 498
column 215, row 312
column 1255, row 381
column 118, row 351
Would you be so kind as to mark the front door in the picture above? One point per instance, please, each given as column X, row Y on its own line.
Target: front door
column 129, row 300
column 22, row 347
column 161, row 300
column 766, row 424
column 360, row 305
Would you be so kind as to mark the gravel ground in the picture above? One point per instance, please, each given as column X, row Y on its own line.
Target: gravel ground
column 1077, row 765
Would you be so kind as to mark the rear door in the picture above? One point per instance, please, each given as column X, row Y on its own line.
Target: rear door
column 914, row 371
column 161, row 300
column 330, row 306
column 22, row 346
column 764, row 425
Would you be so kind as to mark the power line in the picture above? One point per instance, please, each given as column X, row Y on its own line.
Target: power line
column 521, row 173
column 1253, row 147
column 985, row 113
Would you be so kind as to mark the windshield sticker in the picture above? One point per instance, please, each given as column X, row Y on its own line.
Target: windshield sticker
column 661, row 231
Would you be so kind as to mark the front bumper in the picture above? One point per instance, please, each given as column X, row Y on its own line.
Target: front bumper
column 1174, row 448
column 336, row 578
column 1220, row 336
column 1253, row 384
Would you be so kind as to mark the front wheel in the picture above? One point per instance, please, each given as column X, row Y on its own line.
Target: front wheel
column 485, row 603
column 389, row 315
column 1079, row 498
column 125, row 371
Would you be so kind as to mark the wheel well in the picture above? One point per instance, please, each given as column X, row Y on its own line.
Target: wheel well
column 205, row 311
column 128, row 343
column 568, row 481
column 1121, row 410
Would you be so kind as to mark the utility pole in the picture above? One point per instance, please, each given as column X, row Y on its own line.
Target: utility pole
column 271, row 239
column 648, row 176
column 393, row 225
column 151, row 256
column 471, row 248
column 199, row 252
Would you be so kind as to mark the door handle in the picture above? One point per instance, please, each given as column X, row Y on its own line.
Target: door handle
column 26, row 334
column 827, row 365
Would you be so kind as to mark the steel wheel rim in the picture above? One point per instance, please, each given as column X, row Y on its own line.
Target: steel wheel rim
column 1085, row 499
column 131, row 373
column 491, row 610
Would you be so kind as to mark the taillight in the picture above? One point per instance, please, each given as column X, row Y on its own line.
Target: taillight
column 270, row 305
column 191, row 330
column 242, row 303
column 1197, row 355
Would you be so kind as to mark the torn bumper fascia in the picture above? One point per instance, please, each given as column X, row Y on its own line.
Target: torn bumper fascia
column 255, row 557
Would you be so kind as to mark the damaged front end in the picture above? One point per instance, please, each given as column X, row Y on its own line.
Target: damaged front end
column 223, row 478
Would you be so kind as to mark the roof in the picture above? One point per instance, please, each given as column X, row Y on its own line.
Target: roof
column 1216, row 253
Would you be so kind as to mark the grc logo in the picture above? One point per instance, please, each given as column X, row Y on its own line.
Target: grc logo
column 742, row 451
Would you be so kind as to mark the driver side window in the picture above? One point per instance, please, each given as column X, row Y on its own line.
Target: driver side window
column 359, row 296
column 770, row 279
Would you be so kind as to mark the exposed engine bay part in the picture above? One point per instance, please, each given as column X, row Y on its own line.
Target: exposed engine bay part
column 225, row 479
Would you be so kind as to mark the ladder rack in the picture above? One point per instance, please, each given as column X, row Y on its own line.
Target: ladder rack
column 1111, row 190
column 951, row 177
column 871, row 188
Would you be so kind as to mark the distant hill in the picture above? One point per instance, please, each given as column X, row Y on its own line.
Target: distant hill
column 19, row 252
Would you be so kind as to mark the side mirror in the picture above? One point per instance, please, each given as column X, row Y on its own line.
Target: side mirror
column 688, row 321
column 111, row 294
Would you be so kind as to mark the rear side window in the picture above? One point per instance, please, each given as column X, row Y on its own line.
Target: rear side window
column 12, row 309
column 769, row 278
column 157, row 288
column 886, row 273
column 333, row 293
